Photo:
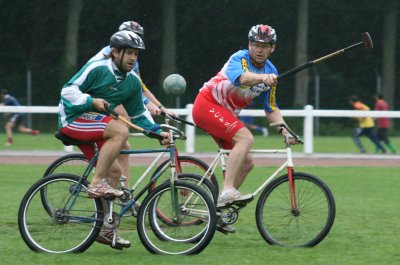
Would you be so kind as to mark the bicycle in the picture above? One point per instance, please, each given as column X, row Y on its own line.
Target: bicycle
column 67, row 220
column 76, row 163
column 296, row 209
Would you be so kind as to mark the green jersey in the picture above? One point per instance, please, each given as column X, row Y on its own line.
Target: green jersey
column 102, row 79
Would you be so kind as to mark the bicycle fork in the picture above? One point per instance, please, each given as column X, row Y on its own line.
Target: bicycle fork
column 292, row 185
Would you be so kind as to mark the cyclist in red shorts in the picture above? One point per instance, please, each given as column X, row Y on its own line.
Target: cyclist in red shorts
column 247, row 74
column 101, row 83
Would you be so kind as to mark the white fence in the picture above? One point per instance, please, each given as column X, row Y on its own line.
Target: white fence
column 308, row 113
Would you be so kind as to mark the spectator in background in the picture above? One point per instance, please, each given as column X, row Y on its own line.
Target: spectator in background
column 14, row 119
column 383, row 123
column 365, row 127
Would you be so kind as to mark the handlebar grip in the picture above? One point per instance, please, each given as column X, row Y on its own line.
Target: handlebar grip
column 152, row 134
column 292, row 133
column 276, row 124
column 112, row 111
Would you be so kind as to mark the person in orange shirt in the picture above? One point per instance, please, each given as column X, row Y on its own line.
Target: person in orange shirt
column 365, row 127
column 383, row 123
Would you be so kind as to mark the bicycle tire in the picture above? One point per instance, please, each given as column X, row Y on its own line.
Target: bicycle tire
column 177, row 239
column 71, row 163
column 306, row 226
column 190, row 164
column 194, row 179
column 75, row 164
column 73, row 222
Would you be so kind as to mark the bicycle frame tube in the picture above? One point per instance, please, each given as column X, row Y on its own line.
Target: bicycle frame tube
column 78, row 188
column 292, row 186
column 287, row 164
column 161, row 152
column 90, row 167
column 173, row 175
column 210, row 171
column 144, row 175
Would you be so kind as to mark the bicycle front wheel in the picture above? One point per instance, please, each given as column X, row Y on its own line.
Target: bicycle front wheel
column 71, row 222
column 182, row 203
column 304, row 225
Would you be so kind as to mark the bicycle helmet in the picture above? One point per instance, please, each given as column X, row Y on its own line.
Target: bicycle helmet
column 126, row 39
column 262, row 33
column 132, row 26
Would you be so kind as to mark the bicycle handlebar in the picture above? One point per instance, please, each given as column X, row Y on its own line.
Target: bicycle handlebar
column 180, row 135
column 177, row 119
column 292, row 133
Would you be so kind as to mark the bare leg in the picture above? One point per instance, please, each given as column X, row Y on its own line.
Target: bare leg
column 116, row 135
column 24, row 129
column 236, row 170
column 123, row 161
column 246, row 168
column 9, row 127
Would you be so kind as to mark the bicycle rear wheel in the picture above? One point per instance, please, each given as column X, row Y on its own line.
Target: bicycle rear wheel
column 188, row 164
column 72, row 163
column 182, row 203
column 304, row 226
column 70, row 224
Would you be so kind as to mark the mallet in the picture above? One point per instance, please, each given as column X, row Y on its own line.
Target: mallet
column 140, row 129
column 366, row 41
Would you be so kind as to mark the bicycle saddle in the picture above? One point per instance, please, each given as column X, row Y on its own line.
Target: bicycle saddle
column 66, row 140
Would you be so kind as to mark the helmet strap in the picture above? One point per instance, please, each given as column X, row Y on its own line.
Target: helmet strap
column 120, row 61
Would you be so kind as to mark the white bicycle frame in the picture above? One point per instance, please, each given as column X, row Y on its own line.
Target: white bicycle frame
column 221, row 159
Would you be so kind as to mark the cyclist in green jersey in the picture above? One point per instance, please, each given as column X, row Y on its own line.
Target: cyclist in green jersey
column 107, row 82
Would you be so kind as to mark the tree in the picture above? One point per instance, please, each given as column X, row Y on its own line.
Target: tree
column 301, row 81
column 71, row 40
column 389, row 50
column 168, row 46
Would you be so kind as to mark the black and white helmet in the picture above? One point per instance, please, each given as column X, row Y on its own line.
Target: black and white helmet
column 126, row 39
column 132, row 26
column 262, row 33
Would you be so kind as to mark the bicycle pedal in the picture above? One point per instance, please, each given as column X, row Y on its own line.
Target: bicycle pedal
column 219, row 229
column 117, row 247
column 240, row 204
column 109, row 197
column 225, row 229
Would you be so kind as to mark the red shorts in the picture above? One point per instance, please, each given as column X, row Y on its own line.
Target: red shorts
column 215, row 119
column 88, row 127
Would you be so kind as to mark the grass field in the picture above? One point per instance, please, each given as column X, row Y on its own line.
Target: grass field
column 204, row 143
column 366, row 229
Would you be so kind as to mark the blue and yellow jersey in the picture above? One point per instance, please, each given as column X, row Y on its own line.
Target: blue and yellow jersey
column 225, row 87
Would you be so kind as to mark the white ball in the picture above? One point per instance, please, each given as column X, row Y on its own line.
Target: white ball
column 174, row 85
